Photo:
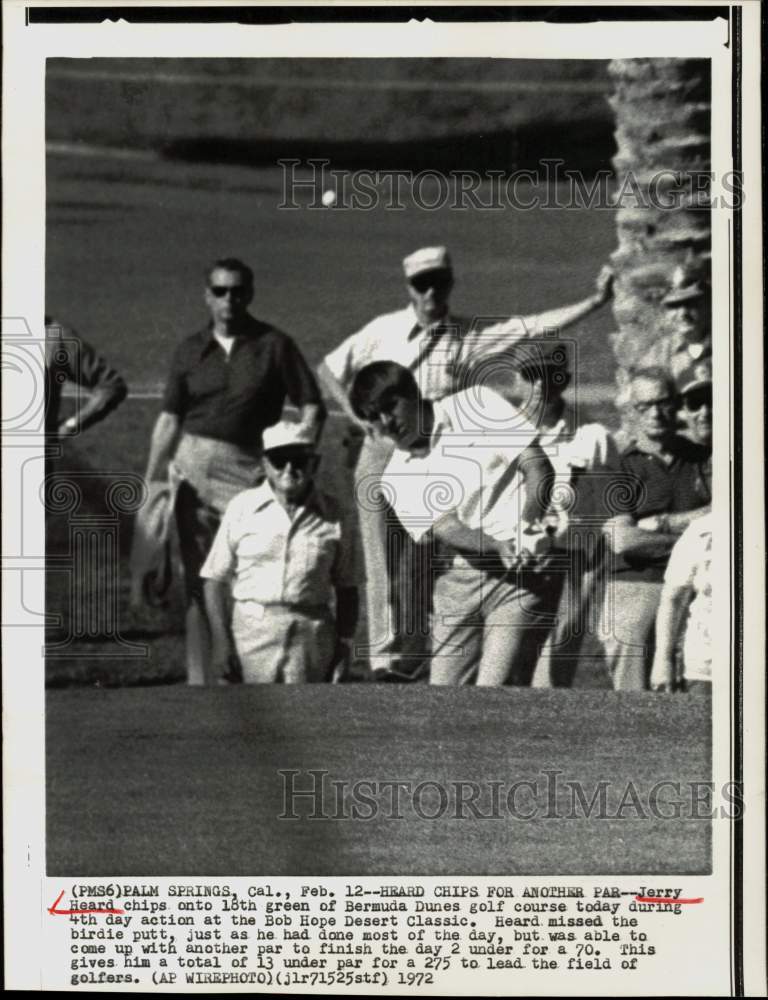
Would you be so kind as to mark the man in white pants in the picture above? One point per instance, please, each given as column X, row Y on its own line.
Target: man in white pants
column 468, row 474
column 285, row 553
column 444, row 352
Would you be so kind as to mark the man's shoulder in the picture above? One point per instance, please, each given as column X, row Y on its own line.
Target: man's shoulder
column 388, row 321
column 249, row 501
column 689, row 451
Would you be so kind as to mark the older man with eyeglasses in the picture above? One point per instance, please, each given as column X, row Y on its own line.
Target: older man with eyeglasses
column 227, row 383
column 663, row 485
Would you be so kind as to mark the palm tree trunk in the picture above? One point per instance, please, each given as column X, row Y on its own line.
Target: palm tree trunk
column 662, row 109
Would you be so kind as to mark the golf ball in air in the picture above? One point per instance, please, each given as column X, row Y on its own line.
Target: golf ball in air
column 329, row 198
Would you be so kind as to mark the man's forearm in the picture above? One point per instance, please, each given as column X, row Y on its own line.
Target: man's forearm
column 563, row 317
column 456, row 534
column 215, row 592
column 669, row 619
column 165, row 437
column 312, row 416
column 335, row 389
column 638, row 542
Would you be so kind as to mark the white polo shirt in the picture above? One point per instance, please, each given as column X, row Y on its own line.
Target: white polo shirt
column 471, row 467
column 272, row 558
column 397, row 336
column 690, row 565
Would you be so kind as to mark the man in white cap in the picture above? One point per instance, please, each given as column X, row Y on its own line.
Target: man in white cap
column 285, row 556
column 441, row 349
column 694, row 383
column 688, row 322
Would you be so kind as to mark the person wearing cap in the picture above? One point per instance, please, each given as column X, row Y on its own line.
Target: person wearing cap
column 694, row 384
column 468, row 475
column 584, row 458
column 663, row 486
column 285, row 556
column 442, row 350
column 227, row 382
column 685, row 609
column 688, row 322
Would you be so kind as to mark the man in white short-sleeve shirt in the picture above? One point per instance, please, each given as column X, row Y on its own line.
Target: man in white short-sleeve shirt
column 284, row 553
column 442, row 350
column 468, row 474
column 687, row 587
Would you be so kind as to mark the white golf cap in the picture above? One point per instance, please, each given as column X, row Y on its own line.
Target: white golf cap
column 427, row 259
column 287, row 434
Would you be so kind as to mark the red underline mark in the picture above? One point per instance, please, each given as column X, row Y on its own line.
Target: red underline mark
column 64, row 913
column 665, row 899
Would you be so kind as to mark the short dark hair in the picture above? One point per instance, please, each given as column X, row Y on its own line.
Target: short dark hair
column 231, row 264
column 375, row 382
column 555, row 378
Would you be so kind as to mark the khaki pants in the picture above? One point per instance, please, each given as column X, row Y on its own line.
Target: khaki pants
column 490, row 625
column 398, row 576
column 211, row 473
column 627, row 627
column 278, row 644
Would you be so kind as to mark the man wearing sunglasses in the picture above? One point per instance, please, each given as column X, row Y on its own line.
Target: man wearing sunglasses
column 286, row 556
column 663, row 486
column 687, row 323
column 695, row 386
column 227, row 382
column 442, row 350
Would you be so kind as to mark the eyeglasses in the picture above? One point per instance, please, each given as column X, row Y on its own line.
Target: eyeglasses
column 697, row 398
column 300, row 461
column 439, row 280
column 236, row 291
column 666, row 403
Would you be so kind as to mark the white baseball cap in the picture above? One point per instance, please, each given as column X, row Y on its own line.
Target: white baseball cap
column 427, row 259
column 287, row 434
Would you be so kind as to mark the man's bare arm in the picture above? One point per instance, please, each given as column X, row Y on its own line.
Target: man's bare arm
column 165, row 437
column 312, row 417
column 215, row 595
column 625, row 538
column 565, row 316
column 669, row 619
column 335, row 390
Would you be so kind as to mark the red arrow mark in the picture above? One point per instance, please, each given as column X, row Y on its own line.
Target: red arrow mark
column 54, row 912
column 664, row 899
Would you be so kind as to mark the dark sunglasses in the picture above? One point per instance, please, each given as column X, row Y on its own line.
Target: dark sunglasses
column 236, row 291
column 439, row 280
column 696, row 398
column 300, row 460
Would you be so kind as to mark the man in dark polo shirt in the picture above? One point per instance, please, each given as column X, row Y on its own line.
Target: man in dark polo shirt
column 663, row 485
column 226, row 384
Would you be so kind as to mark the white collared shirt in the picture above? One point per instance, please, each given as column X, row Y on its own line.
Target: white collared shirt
column 690, row 565
column 397, row 336
column 471, row 467
column 272, row 558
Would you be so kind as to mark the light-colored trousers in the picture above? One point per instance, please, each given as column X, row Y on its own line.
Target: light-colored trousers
column 488, row 624
column 627, row 628
column 211, row 473
column 278, row 644
column 398, row 575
